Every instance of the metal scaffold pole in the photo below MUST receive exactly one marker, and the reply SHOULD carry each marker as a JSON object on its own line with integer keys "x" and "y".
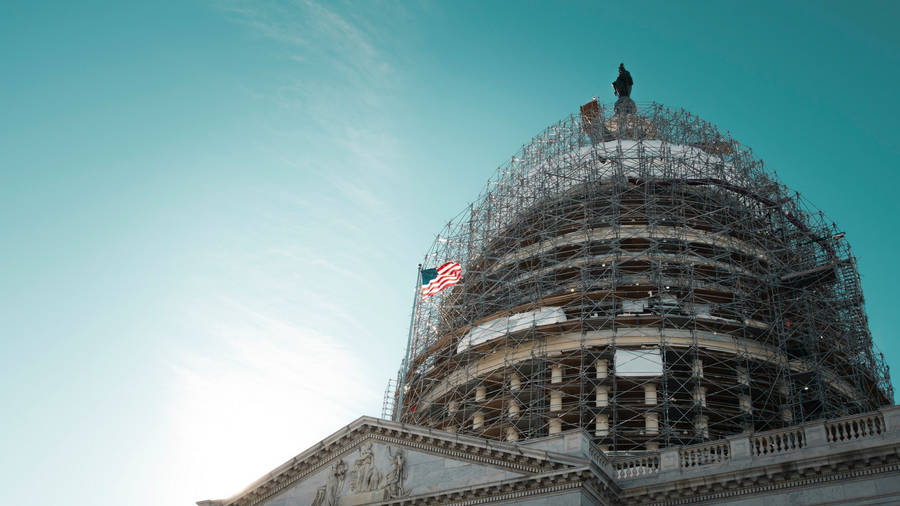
{"x": 401, "y": 384}
{"x": 639, "y": 275}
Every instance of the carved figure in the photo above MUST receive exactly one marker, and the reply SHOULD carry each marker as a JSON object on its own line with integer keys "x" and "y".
{"x": 365, "y": 477}
{"x": 622, "y": 85}
{"x": 319, "y": 499}
{"x": 328, "y": 494}
{"x": 393, "y": 480}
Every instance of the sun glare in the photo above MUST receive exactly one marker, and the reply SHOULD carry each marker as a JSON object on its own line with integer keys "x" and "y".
{"x": 274, "y": 391}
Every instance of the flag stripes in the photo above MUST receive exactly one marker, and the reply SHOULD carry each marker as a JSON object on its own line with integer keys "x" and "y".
{"x": 435, "y": 280}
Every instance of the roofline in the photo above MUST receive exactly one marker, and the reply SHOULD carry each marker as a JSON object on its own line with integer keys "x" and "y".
{"x": 520, "y": 457}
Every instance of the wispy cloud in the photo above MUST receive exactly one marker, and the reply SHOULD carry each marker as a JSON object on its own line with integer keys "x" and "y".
{"x": 338, "y": 97}
{"x": 270, "y": 391}
{"x": 311, "y": 30}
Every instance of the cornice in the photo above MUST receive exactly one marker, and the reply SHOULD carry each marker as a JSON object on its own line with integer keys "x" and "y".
{"x": 507, "y": 490}
{"x": 774, "y": 487}
{"x": 769, "y": 478}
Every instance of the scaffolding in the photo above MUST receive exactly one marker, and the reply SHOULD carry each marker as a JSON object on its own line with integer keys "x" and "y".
{"x": 642, "y": 276}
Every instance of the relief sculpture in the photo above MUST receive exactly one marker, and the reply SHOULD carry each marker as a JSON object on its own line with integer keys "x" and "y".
{"x": 365, "y": 477}
{"x": 393, "y": 480}
{"x": 328, "y": 494}
{"x": 366, "y": 482}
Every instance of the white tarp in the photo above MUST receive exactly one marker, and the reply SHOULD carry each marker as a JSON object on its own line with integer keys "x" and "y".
{"x": 504, "y": 325}
{"x": 700, "y": 309}
{"x": 638, "y": 362}
{"x": 641, "y": 158}
{"x": 634, "y": 306}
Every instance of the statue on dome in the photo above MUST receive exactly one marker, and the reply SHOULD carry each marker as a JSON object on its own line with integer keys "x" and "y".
{"x": 622, "y": 85}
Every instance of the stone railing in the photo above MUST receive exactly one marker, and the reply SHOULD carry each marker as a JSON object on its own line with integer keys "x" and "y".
{"x": 742, "y": 449}
{"x": 769, "y": 443}
{"x": 634, "y": 467}
{"x": 598, "y": 456}
{"x": 857, "y": 427}
{"x": 705, "y": 454}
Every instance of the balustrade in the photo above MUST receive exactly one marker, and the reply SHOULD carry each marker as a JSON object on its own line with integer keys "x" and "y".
{"x": 849, "y": 429}
{"x": 701, "y": 455}
{"x": 777, "y": 442}
{"x": 635, "y": 467}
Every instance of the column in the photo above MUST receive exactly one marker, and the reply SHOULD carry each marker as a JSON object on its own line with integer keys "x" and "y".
{"x": 743, "y": 377}
{"x": 556, "y": 373}
{"x": 698, "y": 368}
{"x": 602, "y": 396}
{"x": 602, "y": 426}
{"x": 650, "y": 393}
{"x": 514, "y": 382}
{"x": 651, "y": 423}
{"x": 702, "y": 425}
{"x": 700, "y": 396}
{"x": 555, "y": 400}
{"x": 602, "y": 369}
{"x": 787, "y": 415}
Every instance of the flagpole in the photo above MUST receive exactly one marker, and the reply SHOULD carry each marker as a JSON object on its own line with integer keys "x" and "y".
{"x": 401, "y": 385}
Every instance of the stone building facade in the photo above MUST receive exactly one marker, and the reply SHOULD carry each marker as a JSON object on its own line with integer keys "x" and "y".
{"x": 851, "y": 460}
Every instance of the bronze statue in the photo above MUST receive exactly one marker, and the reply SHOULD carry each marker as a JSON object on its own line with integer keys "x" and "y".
{"x": 622, "y": 84}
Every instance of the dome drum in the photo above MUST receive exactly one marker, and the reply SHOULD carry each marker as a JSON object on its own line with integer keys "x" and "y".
{"x": 652, "y": 284}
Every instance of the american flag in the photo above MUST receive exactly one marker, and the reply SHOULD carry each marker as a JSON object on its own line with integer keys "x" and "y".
{"x": 435, "y": 280}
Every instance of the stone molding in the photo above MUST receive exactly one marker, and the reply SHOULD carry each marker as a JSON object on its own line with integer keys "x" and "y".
{"x": 772, "y": 477}
{"x": 772, "y": 487}
{"x": 857, "y": 447}
{"x": 506, "y": 490}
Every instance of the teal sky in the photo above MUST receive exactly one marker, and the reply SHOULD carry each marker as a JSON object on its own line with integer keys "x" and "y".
{"x": 211, "y": 211}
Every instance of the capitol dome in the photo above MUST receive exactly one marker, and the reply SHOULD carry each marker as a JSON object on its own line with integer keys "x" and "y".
{"x": 642, "y": 277}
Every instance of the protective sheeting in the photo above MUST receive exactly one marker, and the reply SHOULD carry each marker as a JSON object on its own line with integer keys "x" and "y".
{"x": 639, "y": 159}
{"x": 638, "y": 362}
{"x": 504, "y": 325}
{"x": 634, "y": 306}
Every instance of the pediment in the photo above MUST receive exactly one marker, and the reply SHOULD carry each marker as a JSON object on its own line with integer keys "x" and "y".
{"x": 373, "y": 471}
{"x": 373, "y": 460}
